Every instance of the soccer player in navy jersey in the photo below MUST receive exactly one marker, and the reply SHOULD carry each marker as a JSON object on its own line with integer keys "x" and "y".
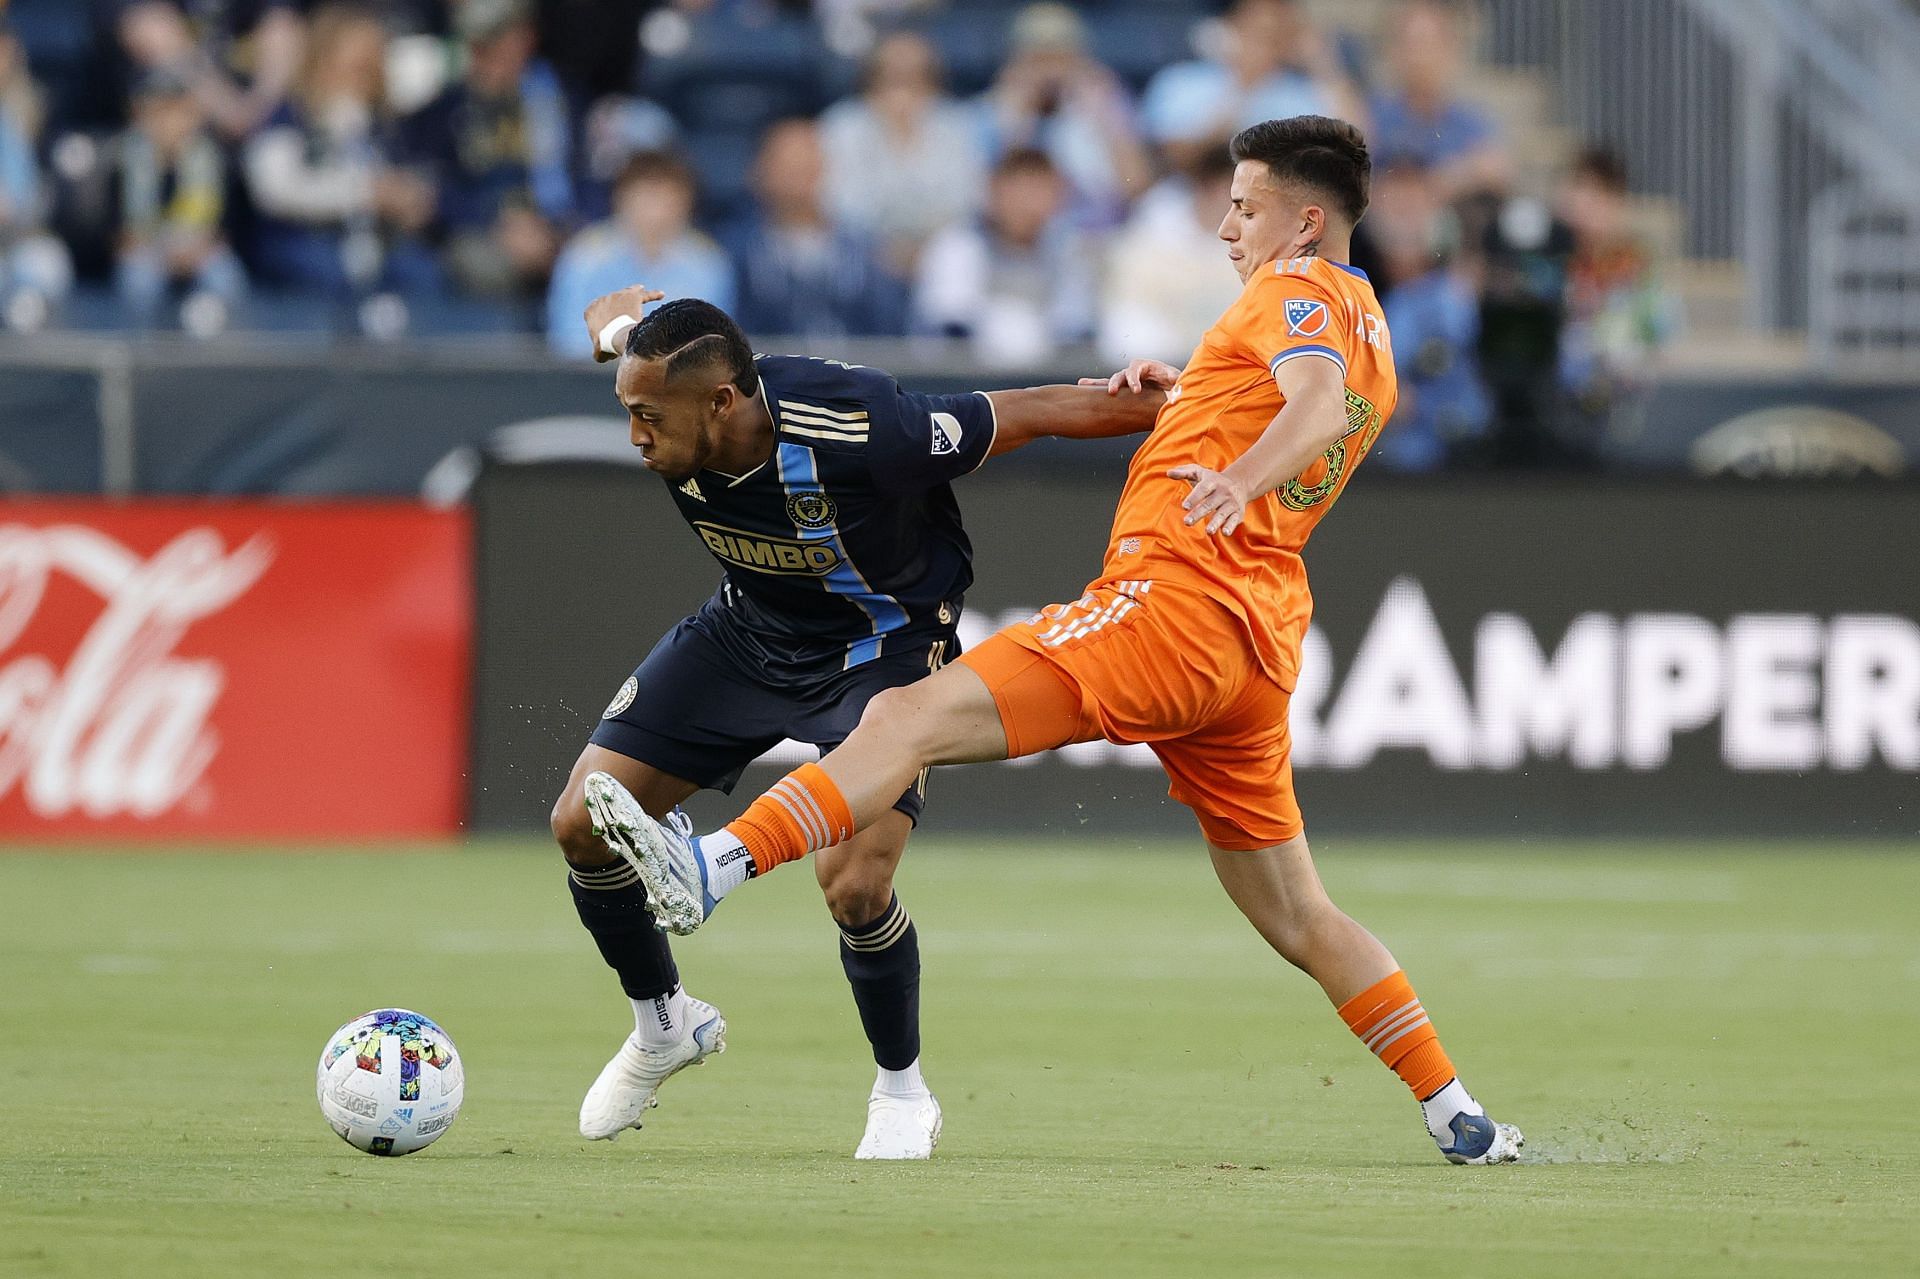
{"x": 823, "y": 490}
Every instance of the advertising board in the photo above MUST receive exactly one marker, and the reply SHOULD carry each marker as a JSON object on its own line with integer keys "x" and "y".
{"x": 232, "y": 670}
{"x": 1514, "y": 656}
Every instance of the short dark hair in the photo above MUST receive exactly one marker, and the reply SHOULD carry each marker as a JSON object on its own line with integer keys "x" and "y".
{"x": 1324, "y": 155}
{"x": 656, "y": 166}
{"x": 1022, "y": 161}
{"x": 1604, "y": 167}
{"x": 692, "y": 334}
{"x": 1210, "y": 165}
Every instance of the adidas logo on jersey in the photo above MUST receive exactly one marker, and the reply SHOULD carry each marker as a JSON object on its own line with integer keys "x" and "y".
{"x": 692, "y": 489}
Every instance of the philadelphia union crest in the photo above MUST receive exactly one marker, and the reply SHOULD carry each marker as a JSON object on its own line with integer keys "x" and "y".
{"x": 622, "y": 699}
{"x": 811, "y": 510}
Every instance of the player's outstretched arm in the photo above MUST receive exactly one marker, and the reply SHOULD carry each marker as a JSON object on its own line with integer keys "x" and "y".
{"x": 1311, "y": 421}
{"x": 610, "y": 317}
{"x": 1095, "y": 409}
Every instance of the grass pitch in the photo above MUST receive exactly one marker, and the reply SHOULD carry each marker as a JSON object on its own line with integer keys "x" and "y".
{"x": 1711, "y": 1052}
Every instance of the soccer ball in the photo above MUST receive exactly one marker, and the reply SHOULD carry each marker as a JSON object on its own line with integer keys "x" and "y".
{"x": 390, "y": 1082}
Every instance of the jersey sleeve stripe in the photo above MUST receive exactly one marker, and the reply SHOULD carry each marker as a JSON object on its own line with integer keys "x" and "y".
{"x": 846, "y": 437}
{"x": 1294, "y": 353}
{"x": 860, "y": 427}
{"x": 993, "y": 416}
{"x": 819, "y": 410}
{"x": 828, "y": 423}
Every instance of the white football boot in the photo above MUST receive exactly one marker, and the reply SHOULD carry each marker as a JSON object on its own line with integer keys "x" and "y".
{"x": 1479, "y": 1140}
{"x": 630, "y": 1084}
{"x": 900, "y": 1127}
{"x": 671, "y": 868}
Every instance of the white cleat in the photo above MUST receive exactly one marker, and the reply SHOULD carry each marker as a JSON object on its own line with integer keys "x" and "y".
{"x": 630, "y": 1084}
{"x": 1480, "y": 1140}
{"x": 671, "y": 869}
{"x": 900, "y": 1127}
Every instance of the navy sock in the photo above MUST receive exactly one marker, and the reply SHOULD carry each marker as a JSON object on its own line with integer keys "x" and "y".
{"x": 613, "y": 906}
{"x": 882, "y": 959}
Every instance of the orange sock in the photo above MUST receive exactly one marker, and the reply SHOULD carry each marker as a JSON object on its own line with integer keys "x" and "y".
{"x": 1391, "y": 1022}
{"x": 804, "y": 813}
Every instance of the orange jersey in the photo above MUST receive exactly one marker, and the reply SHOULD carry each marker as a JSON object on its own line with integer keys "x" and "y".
{"x": 1298, "y": 308}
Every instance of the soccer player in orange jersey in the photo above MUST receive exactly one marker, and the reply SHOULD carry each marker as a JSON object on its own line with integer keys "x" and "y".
{"x": 1189, "y": 640}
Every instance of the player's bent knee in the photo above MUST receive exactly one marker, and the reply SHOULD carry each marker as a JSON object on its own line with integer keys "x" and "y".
{"x": 856, "y": 900}
{"x": 927, "y": 723}
{"x": 573, "y": 831}
{"x": 899, "y": 715}
{"x": 858, "y": 888}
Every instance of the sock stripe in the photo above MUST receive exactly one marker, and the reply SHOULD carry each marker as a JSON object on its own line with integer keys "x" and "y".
{"x": 823, "y": 830}
{"x": 816, "y": 819}
{"x": 1392, "y": 1022}
{"x": 892, "y": 930}
{"x": 612, "y": 870}
{"x": 1374, "y": 1020}
{"x": 803, "y": 813}
{"x": 1380, "y": 1023}
{"x": 878, "y": 922}
{"x": 801, "y": 818}
{"x": 1386, "y": 1026}
{"x": 610, "y": 879}
{"x": 1402, "y": 1033}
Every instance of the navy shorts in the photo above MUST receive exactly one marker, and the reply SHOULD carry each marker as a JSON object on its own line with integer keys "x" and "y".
{"x": 699, "y": 710}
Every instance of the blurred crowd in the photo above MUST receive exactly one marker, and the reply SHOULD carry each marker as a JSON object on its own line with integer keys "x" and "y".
{"x": 1025, "y": 178}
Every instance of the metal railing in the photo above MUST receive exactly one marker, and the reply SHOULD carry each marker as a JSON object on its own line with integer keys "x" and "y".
{"x": 1865, "y": 307}
{"x": 1746, "y": 113}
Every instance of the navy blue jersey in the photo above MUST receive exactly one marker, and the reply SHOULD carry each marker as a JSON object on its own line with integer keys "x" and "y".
{"x": 846, "y": 544}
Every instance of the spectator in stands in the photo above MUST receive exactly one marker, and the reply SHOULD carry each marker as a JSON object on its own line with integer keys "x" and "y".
{"x": 331, "y": 214}
{"x": 649, "y": 240}
{"x": 497, "y": 146}
{"x": 1433, "y": 312}
{"x": 1618, "y": 313}
{"x": 36, "y": 271}
{"x": 1019, "y": 281}
{"x": 616, "y": 129}
{"x": 1167, "y": 274}
{"x": 1422, "y": 120}
{"x": 903, "y": 159}
{"x": 240, "y": 57}
{"x": 1523, "y": 254}
{"x": 173, "y": 196}
{"x": 799, "y": 274}
{"x": 1269, "y": 61}
{"x": 1052, "y": 95}
{"x": 593, "y": 45}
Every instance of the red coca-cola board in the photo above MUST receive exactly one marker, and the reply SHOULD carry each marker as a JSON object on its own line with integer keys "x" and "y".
{"x": 232, "y": 670}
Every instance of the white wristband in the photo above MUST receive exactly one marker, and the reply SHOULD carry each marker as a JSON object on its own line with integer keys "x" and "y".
{"x": 612, "y": 331}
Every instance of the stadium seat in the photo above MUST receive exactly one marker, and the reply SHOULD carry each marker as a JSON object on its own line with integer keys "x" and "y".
{"x": 58, "y": 36}
{"x": 723, "y": 159}
{"x": 1136, "y": 42}
{"x": 734, "y": 75}
{"x": 972, "y": 44}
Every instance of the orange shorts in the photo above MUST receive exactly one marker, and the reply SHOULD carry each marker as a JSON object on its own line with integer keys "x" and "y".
{"x": 1160, "y": 663}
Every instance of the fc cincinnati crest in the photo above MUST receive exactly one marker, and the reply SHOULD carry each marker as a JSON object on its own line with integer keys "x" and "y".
{"x": 623, "y": 698}
{"x": 811, "y": 510}
{"x": 1306, "y": 318}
